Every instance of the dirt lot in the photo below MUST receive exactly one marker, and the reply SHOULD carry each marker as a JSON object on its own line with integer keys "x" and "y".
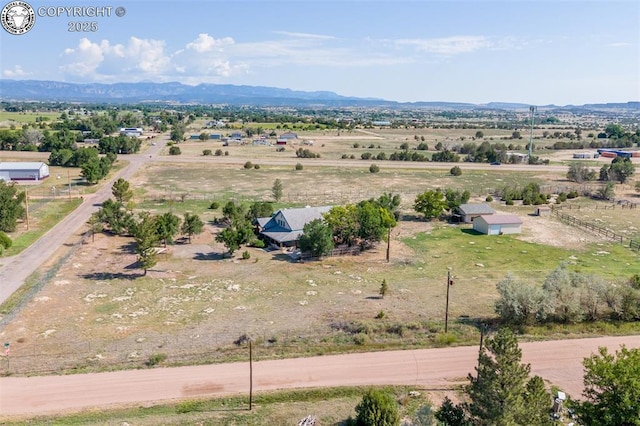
{"x": 99, "y": 310}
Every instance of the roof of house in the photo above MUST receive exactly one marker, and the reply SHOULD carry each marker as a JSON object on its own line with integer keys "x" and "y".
{"x": 501, "y": 219}
{"x": 294, "y": 219}
{"x": 19, "y": 165}
{"x": 476, "y": 209}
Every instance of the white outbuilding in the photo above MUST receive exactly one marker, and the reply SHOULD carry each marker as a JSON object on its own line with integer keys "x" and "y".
{"x": 14, "y": 170}
{"x": 498, "y": 224}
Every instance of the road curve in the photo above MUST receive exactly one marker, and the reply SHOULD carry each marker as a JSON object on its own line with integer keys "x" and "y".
{"x": 559, "y": 362}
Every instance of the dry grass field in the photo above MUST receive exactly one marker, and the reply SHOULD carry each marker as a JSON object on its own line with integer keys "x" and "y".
{"x": 98, "y": 312}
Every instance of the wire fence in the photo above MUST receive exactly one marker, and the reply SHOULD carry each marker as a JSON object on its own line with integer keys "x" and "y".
{"x": 600, "y": 230}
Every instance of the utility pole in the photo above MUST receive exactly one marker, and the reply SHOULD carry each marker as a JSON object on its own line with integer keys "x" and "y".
{"x": 446, "y": 312}
{"x": 26, "y": 201}
{"x": 532, "y": 110}
{"x": 250, "y": 377}
{"x": 69, "y": 180}
{"x": 388, "y": 243}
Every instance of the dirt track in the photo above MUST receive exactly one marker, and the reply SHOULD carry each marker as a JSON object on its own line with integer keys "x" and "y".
{"x": 558, "y": 362}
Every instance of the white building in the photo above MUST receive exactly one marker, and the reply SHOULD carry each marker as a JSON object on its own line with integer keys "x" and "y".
{"x": 498, "y": 224}
{"x": 23, "y": 171}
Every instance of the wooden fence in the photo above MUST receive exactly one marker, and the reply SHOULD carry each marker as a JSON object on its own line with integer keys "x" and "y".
{"x": 600, "y": 230}
{"x": 573, "y": 221}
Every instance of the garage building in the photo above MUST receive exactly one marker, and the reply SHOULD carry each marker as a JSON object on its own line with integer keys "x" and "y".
{"x": 498, "y": 224}
{"x": 23, "y": 171}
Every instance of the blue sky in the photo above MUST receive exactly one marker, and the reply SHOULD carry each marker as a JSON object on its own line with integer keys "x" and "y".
{"x": 539, "y": 52}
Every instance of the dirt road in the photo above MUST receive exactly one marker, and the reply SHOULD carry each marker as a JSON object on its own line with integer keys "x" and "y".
{"x": 558, "y": 362}
{"x": 15, "y": 270}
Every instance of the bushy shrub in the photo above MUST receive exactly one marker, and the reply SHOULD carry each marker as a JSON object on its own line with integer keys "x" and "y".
{"x": 214, "y": 205}
{"x": 365, "y": 155}
{"x": 156, "y": 359}
{"x": 206, "y": 152}
{"x": 374, "y": 168}
{"x": 218, "y": 152}
{"x": 175, "y": 150}
{"x": 489, "y": 199}
{"x": 299, "y": 166}
{"x": 5, "y": 241}
{"x": 455, "y": 171}
{"x": 256, "y": 166}
{"x": 248, "y": 165}
{"x": 246, "y": 255}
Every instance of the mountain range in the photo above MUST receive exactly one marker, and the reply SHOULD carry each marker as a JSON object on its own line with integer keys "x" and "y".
{"x": 174, "y": 92}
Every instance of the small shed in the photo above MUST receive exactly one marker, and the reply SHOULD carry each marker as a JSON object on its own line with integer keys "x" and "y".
{"x": 23, "y": 171}
{"x": 468, "y": 212}
{"x": 543, "y": 211}
{"x": 498, "y": 224}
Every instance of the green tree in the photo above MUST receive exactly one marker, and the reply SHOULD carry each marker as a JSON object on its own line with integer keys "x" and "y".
{"x": 92, "y": 171}
{"x": 614, "y": 130}
{"x": 450, "y": 414}
{"x": 498, "y": 392}
{"x": 377, "y": 408}
{"x": 276, "y": 190}
{"x": 230, "y": 238}
{"x": 621, "y": 169}
{"x": 146, "y": 237}
{"x": 175, "y": 150}
{"x": 455, "y": 171}
{"x": 177, "y": 132}
{"x": 116, "y": 217}
{"x": 316, "y": 238}
{"x": 607, "y": 191}
{"x": 167, "y": 226}
{"x": 612, "y": 389}
{"x": 519, "y": 302}
{"x": 95, "y": 225}
{"x": 204, "y": 136}
{"x": 343, "y": 222}
{"x": 192, "y": 225}
{"x": 384, "y": 288}
{"x": 479, "y": 134}
{"x": 580, "y": 172}
{"x": 121, "y": 191}
{"x": 430, "y": 203}
{"x": 11, "y": 206}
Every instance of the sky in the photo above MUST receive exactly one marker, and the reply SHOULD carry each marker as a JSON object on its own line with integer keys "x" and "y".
{"x": 562, "y": 52}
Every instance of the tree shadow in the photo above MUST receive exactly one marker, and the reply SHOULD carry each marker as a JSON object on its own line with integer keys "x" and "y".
{"x": 284, "y": 257}
{"x": 209, "y": 256}
{"x": 374, "y": 297}
{"x": 128, "y": 248}
{"x": 106, "y": 276}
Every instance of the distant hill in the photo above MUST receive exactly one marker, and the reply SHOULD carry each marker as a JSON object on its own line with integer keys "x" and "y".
{"x": 37, "y": 90}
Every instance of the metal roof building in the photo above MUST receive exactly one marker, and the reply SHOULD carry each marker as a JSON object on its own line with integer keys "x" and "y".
{"x": 23, "y": 171}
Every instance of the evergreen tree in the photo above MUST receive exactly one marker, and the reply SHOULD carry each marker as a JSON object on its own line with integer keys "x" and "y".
{"x": 276, "y": 190}
{"x": 498, "y": 393}
{"x": 377, "y": 408}
{"x": 384, "y": 288}
{"x": 146, "y": 237}
{"x": 11, "y": 208}
{"x": 167, "y": 226}
{"x": 612, "y": 389}
{"x": 192, "y": 225}
{"x": 121, "y": 191}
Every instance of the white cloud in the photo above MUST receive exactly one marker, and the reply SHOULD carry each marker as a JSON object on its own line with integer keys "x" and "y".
{"x": 448, "y": 45}
{"x": 620, "y": 44}
{"x": 17, "y": 71}
{"x": 206, "y": 43}
{"x": 305, "y": 35}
